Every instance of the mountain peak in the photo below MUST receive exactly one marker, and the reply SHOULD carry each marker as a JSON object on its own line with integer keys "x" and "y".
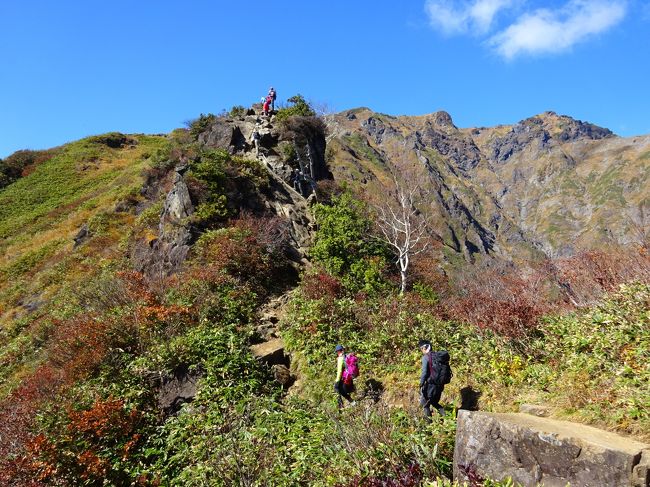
{"x": 566, "y": 128}
{"x": 443, "y": 119}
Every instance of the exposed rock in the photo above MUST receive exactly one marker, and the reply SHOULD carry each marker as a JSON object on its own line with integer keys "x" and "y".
{"x": 177, "y": 389}
{"x": 378, "y": 129}
{"x": 271, "y": 352}
{"x": 288, "y": 204}
{"x": 553, "y": 453}
{"x": 224, "y": 134}
{"x": 521, "y": 135}
{"x": 307, "y": 134}
{"x": 178, "y": 204}
{"x": 82, "y": 235}
{"x": 165, "y": 254}
{"x": 460, "y": 149}
{"x": 269, "y": 317}
{"x": 443, "y": 119}
{"x": 576, "y": 129}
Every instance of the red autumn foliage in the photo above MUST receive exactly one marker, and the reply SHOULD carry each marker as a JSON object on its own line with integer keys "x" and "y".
{"x": 77, "y": 452}
{"x": 252, "y": 250}
{"x": 321, "y": 285}
{"x": 73, "y": 351}
{"x": 585, "y": 276}
{"x": 510, "y": 300}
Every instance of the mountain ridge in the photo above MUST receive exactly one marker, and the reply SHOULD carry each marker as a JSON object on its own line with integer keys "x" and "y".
{"x": 586, "y": 175}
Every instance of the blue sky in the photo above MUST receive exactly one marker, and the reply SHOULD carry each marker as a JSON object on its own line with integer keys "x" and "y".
{"x": 69, "y": 69}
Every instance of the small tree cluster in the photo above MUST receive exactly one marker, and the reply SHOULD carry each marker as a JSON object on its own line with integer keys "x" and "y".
{"x": 298, "y": 107}
{"x": 343, "y": 245}
{"x": 201, "y": 124}
{"x": 22, "y": 163}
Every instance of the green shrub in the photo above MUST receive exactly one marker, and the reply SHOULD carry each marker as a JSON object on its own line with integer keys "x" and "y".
{"x": 237, "y": 111}
{"x": 299, "y": 108}
{"x": 342, "y": 245}
{"x": 201, "y": 124}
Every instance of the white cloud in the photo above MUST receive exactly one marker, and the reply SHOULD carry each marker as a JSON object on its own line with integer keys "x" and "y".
{"x": 453, "y": 17}
{"x": 547, "y": 31}
{"x": 483, "y": 12}
{"x": 539, "y": 31}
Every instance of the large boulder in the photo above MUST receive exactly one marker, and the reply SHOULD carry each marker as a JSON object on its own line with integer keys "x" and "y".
{"x": 534, "y": 450}
{"x": 224, "y": 134}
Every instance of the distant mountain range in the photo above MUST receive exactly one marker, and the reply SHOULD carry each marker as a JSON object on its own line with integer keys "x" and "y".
{"x": 549, "y": 184}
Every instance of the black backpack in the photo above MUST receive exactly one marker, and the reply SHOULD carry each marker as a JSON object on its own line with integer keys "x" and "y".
{"x": 439, "y": 370}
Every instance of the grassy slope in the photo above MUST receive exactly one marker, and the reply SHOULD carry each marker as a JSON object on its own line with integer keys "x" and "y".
{"x": 39, "y": 216}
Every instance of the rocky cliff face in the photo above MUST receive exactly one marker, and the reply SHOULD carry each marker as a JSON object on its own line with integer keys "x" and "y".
{"x": 304, "y": 151}
{"x": 548, "y": 184}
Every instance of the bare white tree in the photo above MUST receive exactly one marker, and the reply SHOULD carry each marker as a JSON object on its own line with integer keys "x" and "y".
{"x": 401, "y": 223}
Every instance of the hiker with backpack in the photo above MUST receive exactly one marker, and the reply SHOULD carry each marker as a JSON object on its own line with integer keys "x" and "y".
{"x": 273, "y": 96}
{"x": 347, "y": 369}
{"x": 436, "y": 372}
{"x": 267, "y": 104}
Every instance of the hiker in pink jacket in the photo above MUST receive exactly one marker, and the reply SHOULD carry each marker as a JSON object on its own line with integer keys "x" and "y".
{"x": 267, "y": 104}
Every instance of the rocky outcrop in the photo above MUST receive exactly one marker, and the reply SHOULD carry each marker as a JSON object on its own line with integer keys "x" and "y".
{"x": 378, "y": 129}
{"x": 523, "y": 134}
{"x": 304, "y": 135}
{"x": 541, "y": 451}
{"x": 441, "y": 135}
{"x": 271, "y": 350}
{"x": 273, "y": 355}
{"x": 572, "y": 129}
{"x": 82, "y": 235}
{"x": 225, "y": 134}
{"x": 176, "y": 389}
{"x": 165, "y": 254}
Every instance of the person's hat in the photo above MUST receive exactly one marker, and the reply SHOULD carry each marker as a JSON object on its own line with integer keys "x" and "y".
{"x": 424, "y": 343}
{"x": 338, "y": 348}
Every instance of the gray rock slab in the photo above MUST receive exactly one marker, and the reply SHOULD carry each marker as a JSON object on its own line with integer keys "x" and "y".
{"x": 542, "y": 451}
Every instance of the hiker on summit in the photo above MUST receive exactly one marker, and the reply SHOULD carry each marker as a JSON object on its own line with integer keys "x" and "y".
{"x": 273, "y": 96}
{"x": 346, "y": 370}
{"x": 433, "y": 377}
